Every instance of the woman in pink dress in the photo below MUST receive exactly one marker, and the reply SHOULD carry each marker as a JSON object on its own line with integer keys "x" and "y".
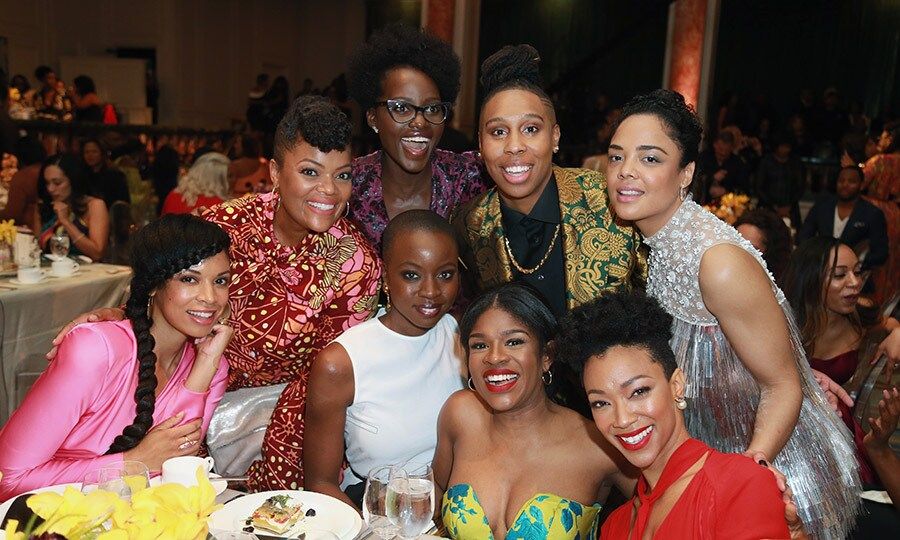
{"x": 140, "y": 389}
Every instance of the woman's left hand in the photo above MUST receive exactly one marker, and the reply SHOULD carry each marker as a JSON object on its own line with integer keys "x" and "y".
{"x": 63, "y": 212}
{"x": 791, "y": 515}
{"x": 211, "y": 347}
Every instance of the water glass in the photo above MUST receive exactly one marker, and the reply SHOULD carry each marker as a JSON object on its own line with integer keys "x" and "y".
{"x": 59, "y": 243}
{"x": 374, "y": 498}
{"x": 123, "y": 479}
{"x": 410, "y": 499}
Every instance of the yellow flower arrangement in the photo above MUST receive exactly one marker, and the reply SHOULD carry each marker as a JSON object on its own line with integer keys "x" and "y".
{"x": 7, "y": 232}
{"x": 159, "y": 512}
{"x": 729, "y": 207}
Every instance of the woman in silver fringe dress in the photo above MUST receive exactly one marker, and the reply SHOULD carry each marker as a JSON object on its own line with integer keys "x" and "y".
{"x": 749, "y": 386}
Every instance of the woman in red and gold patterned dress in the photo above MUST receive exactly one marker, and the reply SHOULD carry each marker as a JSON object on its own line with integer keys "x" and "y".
{"x": 302, "y": 274}
{"x": 882, "y": 188}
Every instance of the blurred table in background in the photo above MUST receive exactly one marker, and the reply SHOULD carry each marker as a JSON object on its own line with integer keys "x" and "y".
{"x": 31, "y": 315}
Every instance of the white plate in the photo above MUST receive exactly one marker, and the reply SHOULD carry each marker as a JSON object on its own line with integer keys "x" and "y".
{"x": 218, "y": 485}
{"x": 331, "y": 514}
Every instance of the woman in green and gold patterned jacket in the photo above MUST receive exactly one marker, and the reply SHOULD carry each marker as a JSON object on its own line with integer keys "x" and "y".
{"x": 547, "y": 226}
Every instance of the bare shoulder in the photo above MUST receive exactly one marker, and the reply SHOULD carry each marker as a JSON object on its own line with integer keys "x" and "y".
{"x": 333, "y": 365}
{"x": 729, "y": 269}
{"x": 587, "y": 441}
{"x": 461, "y": 412}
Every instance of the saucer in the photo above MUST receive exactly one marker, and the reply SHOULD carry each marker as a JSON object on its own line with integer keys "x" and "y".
{"x": 15, "y": 281}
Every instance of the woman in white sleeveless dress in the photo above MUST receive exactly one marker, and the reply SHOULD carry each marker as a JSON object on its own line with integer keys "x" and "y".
{"x": 749, "y": 386}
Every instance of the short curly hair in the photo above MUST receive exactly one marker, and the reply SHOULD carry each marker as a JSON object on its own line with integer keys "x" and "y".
{"x": 680, "y": 119}
{"x": 315, "y": 120}
{"x": 400, "y": 45}
{"x": 627, "y": 319}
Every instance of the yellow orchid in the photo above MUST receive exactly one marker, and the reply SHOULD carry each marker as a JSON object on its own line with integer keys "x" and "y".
{"x": 159, "y": 512}
{"x": 12, "y": 531}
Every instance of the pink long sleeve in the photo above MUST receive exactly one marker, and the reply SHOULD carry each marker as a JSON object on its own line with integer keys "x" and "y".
{"x": 31, "y": 440}
{"x": 193, "y": 404}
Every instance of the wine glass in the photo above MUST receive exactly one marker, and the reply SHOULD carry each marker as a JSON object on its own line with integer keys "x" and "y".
{"x": 59, "y": 244}
{"x": 410, "y": 498}
{"x": 374, "y": 498}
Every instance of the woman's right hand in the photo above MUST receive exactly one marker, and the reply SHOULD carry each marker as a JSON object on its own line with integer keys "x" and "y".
{"x": 166, "y": 440}
{"x": 98, "y": 315}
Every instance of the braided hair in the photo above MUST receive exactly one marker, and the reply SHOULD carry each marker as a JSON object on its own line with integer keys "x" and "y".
{"x": 160, "y": 250}
{"x": 514, "y": 67}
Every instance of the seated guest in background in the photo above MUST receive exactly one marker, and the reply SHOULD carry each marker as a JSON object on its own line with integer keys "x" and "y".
{"x": 67, "y": 207}
{"x": 407, "y": 81}
{"x": 88, "y": 107}
{"x": 822, "y": 283}
{"x": 780, "y": 183}
{"x": 104, "y": 181}
{"x": 204, "y": 185}
{"x": 769, "y": 234}
{"x": 378, "y": 388}
{"x": 247, "y": 172}
{"x": 22, "y": 204}
{"x": 721, "y": 171}
{"x": 620, "y": 344}
{"x": 510, "y": 462}
{"x": 302, "y": 275}
{"x": 141, "y": 389}
{"x": 164, "y": 173}
{"x": 852, "y": 219}
{"x": 547, "y": 226}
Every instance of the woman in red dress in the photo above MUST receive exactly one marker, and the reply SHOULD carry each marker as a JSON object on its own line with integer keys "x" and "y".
{"x": 620, "y": 343}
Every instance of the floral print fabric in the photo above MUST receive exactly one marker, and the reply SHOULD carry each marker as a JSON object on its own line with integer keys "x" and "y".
{"x": 543, "y": 517}
{"x": 287, "y": 303}
{"x": 456, "y": 179}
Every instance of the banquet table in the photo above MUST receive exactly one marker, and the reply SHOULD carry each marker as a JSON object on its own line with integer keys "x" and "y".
{"x": 31, "y": 315}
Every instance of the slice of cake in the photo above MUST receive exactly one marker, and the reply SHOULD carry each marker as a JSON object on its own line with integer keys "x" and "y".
{"x": 278, "y": 514}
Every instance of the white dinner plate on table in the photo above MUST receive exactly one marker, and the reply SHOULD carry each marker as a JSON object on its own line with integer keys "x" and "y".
{"x": 331, "y": 514}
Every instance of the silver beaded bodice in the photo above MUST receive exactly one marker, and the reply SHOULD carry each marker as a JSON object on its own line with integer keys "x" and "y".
{"x": 676, "y": 251}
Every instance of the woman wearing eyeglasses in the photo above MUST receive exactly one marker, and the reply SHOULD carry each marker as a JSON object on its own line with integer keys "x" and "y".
{"x": 407, "y": 81}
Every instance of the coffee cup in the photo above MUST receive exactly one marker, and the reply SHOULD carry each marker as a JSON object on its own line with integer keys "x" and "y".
{"x": 30, "y": 274}
{"x": 183, "y": 470}
{"x": 64, "y": 267}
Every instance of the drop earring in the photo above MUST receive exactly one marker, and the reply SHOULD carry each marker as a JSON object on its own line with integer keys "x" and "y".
{"x": 375, "y": 129}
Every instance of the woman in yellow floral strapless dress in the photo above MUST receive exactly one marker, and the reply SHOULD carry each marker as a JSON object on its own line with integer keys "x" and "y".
{"x": 512, "y": 463}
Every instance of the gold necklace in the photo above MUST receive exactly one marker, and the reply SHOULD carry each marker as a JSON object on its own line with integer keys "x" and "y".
{"x": 529, "y": 271}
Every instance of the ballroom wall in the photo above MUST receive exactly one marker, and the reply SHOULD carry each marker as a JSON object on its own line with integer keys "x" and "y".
{"x": 208, "y": 51}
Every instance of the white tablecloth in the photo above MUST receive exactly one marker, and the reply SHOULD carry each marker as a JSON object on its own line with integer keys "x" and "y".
{"x": 31, "y": 315}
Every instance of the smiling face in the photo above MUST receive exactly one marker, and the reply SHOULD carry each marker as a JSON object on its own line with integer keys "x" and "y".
{"x": 58, "y": 184}
{"x": 644, "y": 176}
{"x": 505, "y": 361}
{"x": 517, "y": 136}
{"x": 408, "y": 145}
{"x": 314, "y": 187}
{"x": 842, "y": 284}
{"x": 192, "y": 301}
{"x": 633, "y": 405}
{"x": 422, "y": 278}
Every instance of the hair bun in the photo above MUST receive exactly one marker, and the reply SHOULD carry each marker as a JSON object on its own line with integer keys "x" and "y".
{"x": 512, "y": 62}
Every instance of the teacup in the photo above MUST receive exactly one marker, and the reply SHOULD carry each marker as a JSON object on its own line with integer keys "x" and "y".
{"x": 64, "y": 267}
{"x": 183, "y": 470}
{"x": 30, "y": 274}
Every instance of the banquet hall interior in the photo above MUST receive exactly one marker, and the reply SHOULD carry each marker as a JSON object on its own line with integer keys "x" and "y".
{"x": 275, "y": 242}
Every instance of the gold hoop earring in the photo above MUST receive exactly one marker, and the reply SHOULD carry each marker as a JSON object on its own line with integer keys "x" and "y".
{"x": 149, "y": 306}
{"x": 387, "y": 301}
{"x": 547, "y": 377}
{"x": 346, "y": 210}
{"x": 471, "y": 385}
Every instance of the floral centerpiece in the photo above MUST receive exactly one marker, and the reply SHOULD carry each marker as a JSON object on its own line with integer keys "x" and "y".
{"x": 10, "y": 166}
{"x": 159, "y": 512}
{"x": 729, "y": 207}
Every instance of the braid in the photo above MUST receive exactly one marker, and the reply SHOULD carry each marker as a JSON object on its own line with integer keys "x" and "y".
{"x": 145, "y": 393}
{"x": 159, "y": 251}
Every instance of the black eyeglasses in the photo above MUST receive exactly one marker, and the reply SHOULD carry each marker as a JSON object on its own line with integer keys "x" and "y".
{"x": 403, "y": 112}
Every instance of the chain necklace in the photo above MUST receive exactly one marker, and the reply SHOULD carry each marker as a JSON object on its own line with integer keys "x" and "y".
{"x": 529, "y": 271}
